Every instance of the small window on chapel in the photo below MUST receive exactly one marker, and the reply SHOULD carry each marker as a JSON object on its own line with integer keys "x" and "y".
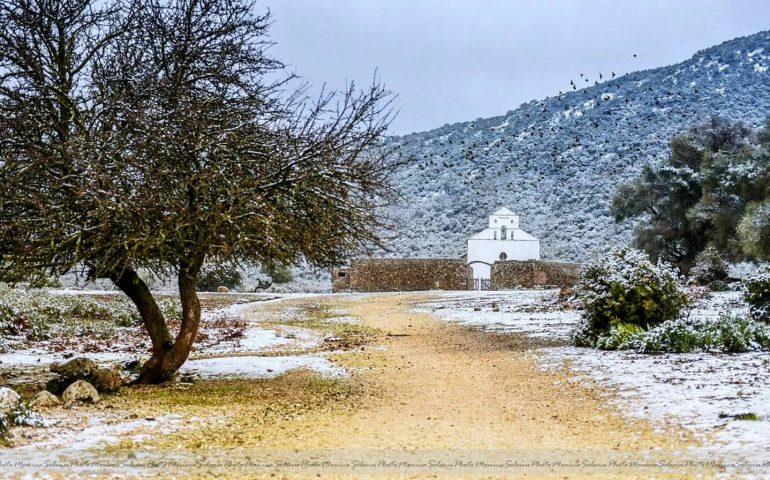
{"x": 494, "y": 235}
{"x": 503, "y": 256}
{"x": 341, "y": 274}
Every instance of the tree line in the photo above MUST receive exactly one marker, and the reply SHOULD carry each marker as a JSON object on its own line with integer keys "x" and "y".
{"x": 712, "y": 191}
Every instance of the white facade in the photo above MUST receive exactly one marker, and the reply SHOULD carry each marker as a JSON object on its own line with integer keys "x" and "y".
{"x": 502, "y": 240}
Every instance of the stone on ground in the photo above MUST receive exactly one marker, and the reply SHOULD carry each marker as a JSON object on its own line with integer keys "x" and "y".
{"x": 82, "y": 368}
{"x": 80, "y": 391}
{"x": 9, "y": 400}
{"x": 45, "y": 399}
{"x": 106, "y": 380}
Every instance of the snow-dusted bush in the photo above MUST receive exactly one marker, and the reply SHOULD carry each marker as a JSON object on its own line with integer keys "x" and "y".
{"x": 758, "y": 294}
{"x": 726, "y": 334}
{"x": 24, "y": 416}
{"x": 710, "y": 266}
{"x": 624, "y": 287}
{"x": 215, "y": 276}
{"x": 21, "y": 416}
{"x": 38, "y": 315}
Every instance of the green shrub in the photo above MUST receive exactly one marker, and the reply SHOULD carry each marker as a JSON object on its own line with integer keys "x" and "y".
{"x": 215, "y": 276}
{"x": 719, "y": 286}
{"x": 40, "y": 315}
{"x": 727, "y": 334}
{"x": 278, "y": 273}
{"x": 758, "y": 294}
{"x": 710, "y": 266}
{"x": 626, "y": 288}
{"x": 620, "y": 335}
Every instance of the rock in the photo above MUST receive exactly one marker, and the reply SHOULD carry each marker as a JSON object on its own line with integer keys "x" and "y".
{"x": 45, "y": 399}
{"x": 187, "y": 378}
{"x": 496, "y": 309}
{"x": 476, "y": 309}
{"x": 80, "y": 368}
{"x": 223, "y": 289}
{"x": 9, "y": 400}
{"x": 80, "y": 391}
{"x": 566, "y": 292}
{"x": 106, "y": 380}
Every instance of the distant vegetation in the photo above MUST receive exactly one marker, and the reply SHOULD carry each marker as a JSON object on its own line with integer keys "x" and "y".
{"x": 708, "y": 199}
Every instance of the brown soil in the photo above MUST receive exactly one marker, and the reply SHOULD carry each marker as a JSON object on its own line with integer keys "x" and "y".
{"x": 451, "y": 402}
{"x": 444, "y": 398}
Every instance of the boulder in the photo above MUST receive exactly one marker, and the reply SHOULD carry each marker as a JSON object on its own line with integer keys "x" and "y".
{"x": 9, "y": 400}
{"x": 80, "y": 391}
{"x": 76, "y": 368}
{"x": 566, "y": 292}
{"x": 106, "y": 380}
{"x": 82, "y": 368}
{"x": 223, "y": 289}
{"x": 45, "y": 399}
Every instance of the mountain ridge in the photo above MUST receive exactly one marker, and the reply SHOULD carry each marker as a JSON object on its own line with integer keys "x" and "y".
{"x": 556, "y": 161}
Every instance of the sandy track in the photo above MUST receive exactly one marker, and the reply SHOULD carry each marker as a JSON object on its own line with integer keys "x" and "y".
{"x": 427, "y": 399}
{"x": 443, "y": 398}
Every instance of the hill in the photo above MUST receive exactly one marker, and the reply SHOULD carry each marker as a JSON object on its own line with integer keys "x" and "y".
{"x": 557, "y": 161}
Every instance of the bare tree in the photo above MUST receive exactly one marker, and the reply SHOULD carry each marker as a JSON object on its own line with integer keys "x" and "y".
{"x": 186, "y": 147}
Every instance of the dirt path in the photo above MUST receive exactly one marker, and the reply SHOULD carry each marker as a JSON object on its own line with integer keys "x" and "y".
{"x": 426, "y": 399}
{"x": 458, "y": 403}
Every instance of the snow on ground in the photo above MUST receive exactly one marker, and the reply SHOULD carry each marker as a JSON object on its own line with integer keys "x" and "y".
{"x": 700, "y": 391}
{"x": 534, "y": 312}
{"x": 259, "y": 367}
{"x": 252, "y": 355}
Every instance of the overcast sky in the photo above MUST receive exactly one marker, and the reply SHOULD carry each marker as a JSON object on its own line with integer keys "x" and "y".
{"x": 453, "y": 60}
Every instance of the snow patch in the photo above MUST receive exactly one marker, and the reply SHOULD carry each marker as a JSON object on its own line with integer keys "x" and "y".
{"x": 259, "y": 367}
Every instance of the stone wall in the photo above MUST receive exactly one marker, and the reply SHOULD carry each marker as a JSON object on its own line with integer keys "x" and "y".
{"x": 408, "y": 274}
{"x": 340, "y": 279}
{"x": 532, "y": 273}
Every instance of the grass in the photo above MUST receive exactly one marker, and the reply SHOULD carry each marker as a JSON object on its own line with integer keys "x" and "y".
{"x": 243, "y": 412}
{"x": 239, "y": 411}
{"x": 319, "y": 317}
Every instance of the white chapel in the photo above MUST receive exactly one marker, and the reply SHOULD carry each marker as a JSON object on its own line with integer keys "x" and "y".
{"x": 502, "y": 240}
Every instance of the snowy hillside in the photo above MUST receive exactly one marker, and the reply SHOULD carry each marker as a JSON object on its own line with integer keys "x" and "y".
{"x": 556, "y": 162}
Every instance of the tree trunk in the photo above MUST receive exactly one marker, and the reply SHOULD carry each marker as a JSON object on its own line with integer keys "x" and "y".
{"x": 167, "y": 354}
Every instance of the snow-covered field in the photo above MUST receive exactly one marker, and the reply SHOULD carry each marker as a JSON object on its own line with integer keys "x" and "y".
{"x": 255, "y": 355}
{"x": 700, "y": 391}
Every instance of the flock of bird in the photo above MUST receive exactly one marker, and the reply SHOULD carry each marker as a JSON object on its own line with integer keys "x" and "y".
{"x": 581, "y": 140}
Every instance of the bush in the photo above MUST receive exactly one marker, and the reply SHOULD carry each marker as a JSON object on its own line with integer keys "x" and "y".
{"x": 727, "y": 334}
{"x": 40, "y": 315}
{"x": 619, "y": 336}
{"x": 758, "y": 294}
{"x": 215, "y": 276}
{"x": 709, "y": 267}
{"x": 278, "y": 273}
{"x": 626, "y": 288}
